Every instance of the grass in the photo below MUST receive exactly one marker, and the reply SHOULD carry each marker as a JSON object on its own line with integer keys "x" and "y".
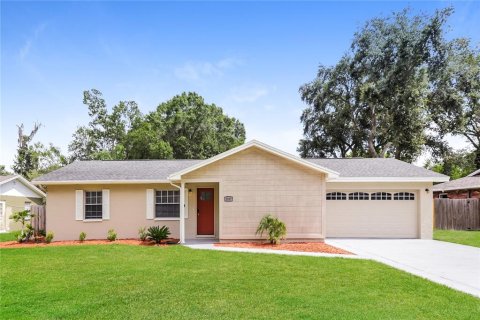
{"x": 131, "y": 282}
{"x": 469, "y": 238}
{"x": 7, "y": 236}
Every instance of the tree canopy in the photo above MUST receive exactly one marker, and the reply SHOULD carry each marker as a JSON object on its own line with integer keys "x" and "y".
{"x": 391, "y": 94}
{"x": 184, "y": 127}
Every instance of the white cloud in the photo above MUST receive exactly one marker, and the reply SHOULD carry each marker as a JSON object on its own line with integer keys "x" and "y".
{"x": 27, "y": 46}
{"x": 197, "y": 71}
{"x": 248, "y": 93}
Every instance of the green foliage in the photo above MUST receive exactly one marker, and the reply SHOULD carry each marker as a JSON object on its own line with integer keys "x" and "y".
{"x": 455, "y": 164}
{"x": 3, "y": 171}
{"x": 26, "y": 233}
{"x": 111, "y": 235}
{"x": 158, "y": 234}
{"x": 275, "y": 229}
{"x": 142, "y": 233}
{"x": 380, "y": 98}
{"x": 34, "y": 160}
{"x": 184, "y": 127}
{"x": 22, "y": 217}
{"x": 49, "y": 237}
{"x": 82, "y": 236}
{"x": 468, "y": 238}
{"x": 26, "y": 159}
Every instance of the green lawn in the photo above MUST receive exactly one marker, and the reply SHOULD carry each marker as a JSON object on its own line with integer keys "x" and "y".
{"x": 8, "y": 236}
{"x": 131, "y": 282}
{"x": 469, "y": 238}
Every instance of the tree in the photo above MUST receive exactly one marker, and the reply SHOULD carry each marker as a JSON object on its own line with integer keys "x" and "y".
{"x": 103, "y": 136}
{"x": 33, "y": 160}
{"x": 3, "y": 171}
{"x": 455, "y": 164}
{"x": 26, "y": 159}
{"x": 374, "y": 101}
{"x": 184, "y": 127}
{"x": 194, "y": 129}
{"x": 455, "y": 101}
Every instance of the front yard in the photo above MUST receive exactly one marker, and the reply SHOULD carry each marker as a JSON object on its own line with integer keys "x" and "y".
{"x": 7, "y": 236}
{"x": 469, "y": 238}
{"x": 133, "y": 282}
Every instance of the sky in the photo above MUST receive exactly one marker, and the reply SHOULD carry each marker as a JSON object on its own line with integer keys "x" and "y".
{"x": 249, "y": 58}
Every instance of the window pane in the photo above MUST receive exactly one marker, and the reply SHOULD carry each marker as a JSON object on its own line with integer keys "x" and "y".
{"x": 167, "y": 211}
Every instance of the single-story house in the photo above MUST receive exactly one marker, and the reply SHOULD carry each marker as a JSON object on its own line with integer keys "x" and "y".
{"x": 16, "y": 194}
{"x": 224, "y": 197}
{"x": 463, "y": 188}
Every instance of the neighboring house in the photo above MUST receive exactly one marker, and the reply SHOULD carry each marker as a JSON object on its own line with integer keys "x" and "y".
{"x": 225, "y": 197}
{"x": 16, "y": 194}
{"x": 463, "y": 188}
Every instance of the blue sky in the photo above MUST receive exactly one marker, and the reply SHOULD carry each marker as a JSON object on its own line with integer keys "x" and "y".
{"x": 249, "y": 58}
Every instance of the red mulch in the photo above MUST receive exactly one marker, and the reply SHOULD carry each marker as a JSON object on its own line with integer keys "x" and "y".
{"x": 133, "y": 242}
{"x": 291, "y": 246}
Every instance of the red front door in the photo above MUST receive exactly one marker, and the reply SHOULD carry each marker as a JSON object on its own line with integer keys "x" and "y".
{"x": 205, "y": 211}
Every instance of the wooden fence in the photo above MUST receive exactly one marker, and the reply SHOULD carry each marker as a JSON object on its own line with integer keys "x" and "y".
{"x": 457, "y": 214}
{"x": 38, "y": 220}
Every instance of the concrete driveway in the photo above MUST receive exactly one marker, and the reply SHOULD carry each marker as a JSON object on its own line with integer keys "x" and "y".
{"x": 453, "y": 265}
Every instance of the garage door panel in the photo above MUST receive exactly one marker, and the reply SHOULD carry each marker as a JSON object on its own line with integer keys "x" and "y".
{"x": 372, "y": 218}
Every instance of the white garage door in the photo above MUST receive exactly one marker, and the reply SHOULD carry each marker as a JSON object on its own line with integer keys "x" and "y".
{"x": 372, "y": 214}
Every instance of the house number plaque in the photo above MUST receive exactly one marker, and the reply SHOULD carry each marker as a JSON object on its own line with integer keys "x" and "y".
{"x": 228, "y": 199}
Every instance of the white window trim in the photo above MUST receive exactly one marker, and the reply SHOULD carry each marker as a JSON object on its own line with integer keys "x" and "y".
{"x": 85, "y": 206}
{"x": 155, "y": 206}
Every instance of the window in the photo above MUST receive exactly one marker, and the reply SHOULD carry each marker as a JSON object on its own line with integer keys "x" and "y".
{"x": 358, "y": 196}
{"x": 404, "y": 196}
{"x": 443, "y": 196}
{"x": 93, "y": 205}
{"x": 336, "y": 196}
{"x": 28, "y": 205}
{"x": 381, "y": 196}
{"x": 167, "y": 204}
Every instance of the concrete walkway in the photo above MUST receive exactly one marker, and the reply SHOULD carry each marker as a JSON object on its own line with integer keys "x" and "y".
{"x": 211, "y": 246}
{"x": 453, "y": 265}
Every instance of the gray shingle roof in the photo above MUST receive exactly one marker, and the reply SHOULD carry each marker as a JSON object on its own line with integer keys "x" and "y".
{"x": 161, "y": 169}
{"x": 375, "y": 167}
{"x": 465, "y": 183}
{"x": 117, "y": 170}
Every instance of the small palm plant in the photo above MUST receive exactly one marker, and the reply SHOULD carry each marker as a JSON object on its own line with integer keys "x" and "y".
{"x": 158, "y": 234}
{"x": 27, "y": 231}
{"x": 275, "y": 229}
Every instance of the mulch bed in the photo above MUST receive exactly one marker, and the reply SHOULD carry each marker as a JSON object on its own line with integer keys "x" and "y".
{"x": 290, "y": 246}
{"x": 133, "y": 242}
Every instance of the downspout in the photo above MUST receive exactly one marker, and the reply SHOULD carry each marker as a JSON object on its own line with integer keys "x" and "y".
{"x": 182, "y": 209}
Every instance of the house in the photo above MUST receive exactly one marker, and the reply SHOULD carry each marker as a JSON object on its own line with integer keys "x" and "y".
{"x": 16, "y": 194}
{"x": 224, "y": 197}
{"x": 463, "y": 188}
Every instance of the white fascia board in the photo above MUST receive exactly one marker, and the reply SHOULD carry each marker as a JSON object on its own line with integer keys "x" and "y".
{"x": 49, "y": 183}
{"x": 390, "y": 179}
{"x": 254, "y": 143}
{"x": 26, "y": 183}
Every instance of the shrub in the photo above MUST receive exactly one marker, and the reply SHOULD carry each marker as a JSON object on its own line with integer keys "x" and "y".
{"x": 142, "y": 233}
{"x": 49, "y": 237}
{"x": 158, "y": 234}
{"x": 275, "y": 229}
{"x": 112, "y": 235}
{"x": 82, "y": 236}
{"x": 26, "y": 233}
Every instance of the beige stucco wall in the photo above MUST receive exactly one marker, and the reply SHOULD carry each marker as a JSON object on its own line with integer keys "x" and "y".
{"x": 127, "y": 212}
{"x": 14, "y": 204}
{"x": 261, "y": 183}
{"x": 424, "y": 204}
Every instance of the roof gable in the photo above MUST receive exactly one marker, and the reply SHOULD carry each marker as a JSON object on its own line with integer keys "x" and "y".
{"x": 255, "y": 144}
{"x": 6, "y": 180}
